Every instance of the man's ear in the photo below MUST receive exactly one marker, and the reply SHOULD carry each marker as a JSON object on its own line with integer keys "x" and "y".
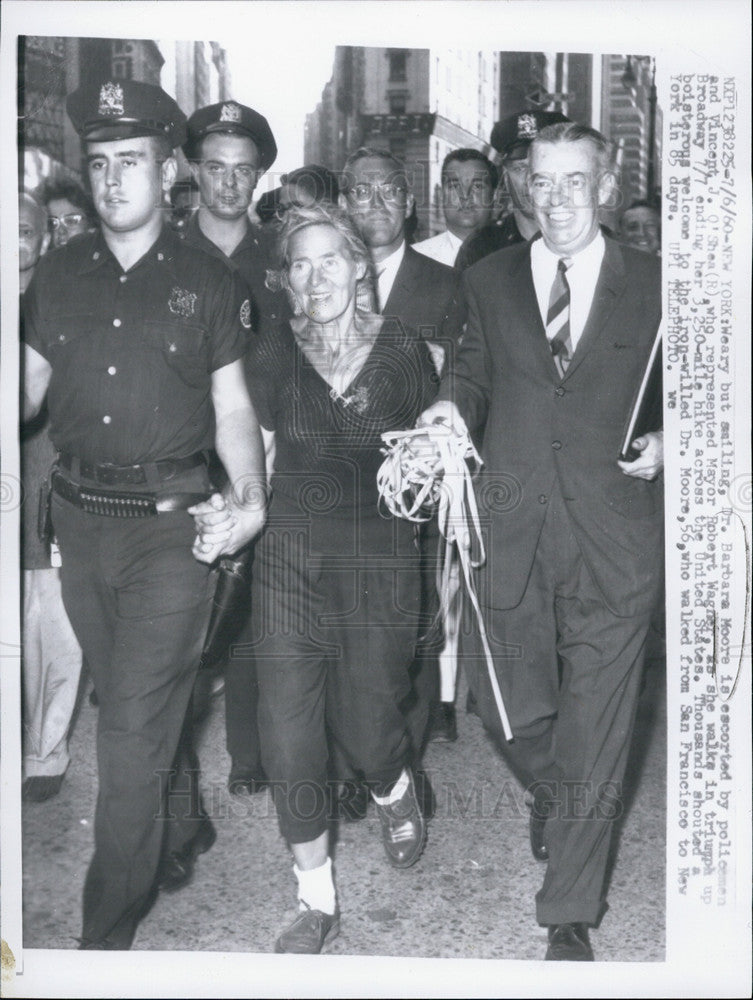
{"x": 609, "y": 190}
{"x": 409, "y": 203}
{"x": 45, "y": 243}
{"x": 342, "y": 202}
{"x": 169, "y": 172}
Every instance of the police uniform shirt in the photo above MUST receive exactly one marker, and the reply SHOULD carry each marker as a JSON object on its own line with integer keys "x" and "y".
{"x": 488, "y": 240}
{"x": 252, "y": 257}
{"x": 132, "y": 352}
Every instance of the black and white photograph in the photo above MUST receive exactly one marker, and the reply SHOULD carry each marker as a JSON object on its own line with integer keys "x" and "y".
{"x": 375, "y": 500}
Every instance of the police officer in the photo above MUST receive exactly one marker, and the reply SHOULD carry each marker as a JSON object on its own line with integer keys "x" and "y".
{"x": 511, "y": 137}
{"x": 229, "y": 147}
{"x": 137, "y": 339}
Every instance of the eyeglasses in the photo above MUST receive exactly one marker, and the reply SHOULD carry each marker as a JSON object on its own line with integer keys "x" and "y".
{"x": 575, "y": 187}
{"x": 389, "y": 191}
{"x": 66, "y": 221}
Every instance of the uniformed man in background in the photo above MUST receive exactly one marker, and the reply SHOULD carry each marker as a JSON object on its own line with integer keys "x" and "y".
{"x": 512, "y": 138}
{"x": 229, "y": 147}
{"x": 137, "y": 339}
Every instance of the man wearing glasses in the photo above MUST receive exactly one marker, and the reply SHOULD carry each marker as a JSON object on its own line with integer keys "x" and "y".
{"x": 559, "y": 333}
{"x": 421, "y": 293}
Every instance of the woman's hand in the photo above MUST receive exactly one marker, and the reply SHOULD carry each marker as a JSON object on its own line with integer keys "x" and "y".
{"x": 223, "y": 526}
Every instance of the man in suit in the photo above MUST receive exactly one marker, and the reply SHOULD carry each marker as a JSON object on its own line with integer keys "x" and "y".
{"x": 559, "y": 332}
{"x": 421, "y": 293}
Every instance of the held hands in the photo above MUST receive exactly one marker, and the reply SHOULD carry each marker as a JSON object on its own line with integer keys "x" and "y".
{"x": 650, "y": 462}
{"x": 223, "y": 525}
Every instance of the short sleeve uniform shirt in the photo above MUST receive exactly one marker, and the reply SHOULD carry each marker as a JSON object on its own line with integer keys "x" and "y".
{"x": 133, "y": 352}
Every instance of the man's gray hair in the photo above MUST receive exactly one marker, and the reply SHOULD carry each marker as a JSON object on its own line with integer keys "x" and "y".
{"x": 574, "y": 132}
{"x": 370, "y": 153}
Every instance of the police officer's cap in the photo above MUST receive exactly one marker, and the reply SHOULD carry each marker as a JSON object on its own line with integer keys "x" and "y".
{"x": 237, "y": 119}
{"x": 125, "y": 109}
{"x": 512, "y": 136}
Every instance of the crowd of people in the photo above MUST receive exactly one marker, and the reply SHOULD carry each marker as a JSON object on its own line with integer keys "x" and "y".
{"x": 206, "y": 385}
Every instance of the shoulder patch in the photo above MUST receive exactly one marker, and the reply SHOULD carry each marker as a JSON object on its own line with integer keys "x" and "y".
{"x": 246, "y": 314}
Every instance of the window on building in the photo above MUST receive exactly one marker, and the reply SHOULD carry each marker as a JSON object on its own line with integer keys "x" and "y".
{"x": 398, "y": 103}
{"x": 122, "y": 69}
{"x": 398, "y": 65}
{"x": 121, "y": 48}
{"x": 398, "y": 147}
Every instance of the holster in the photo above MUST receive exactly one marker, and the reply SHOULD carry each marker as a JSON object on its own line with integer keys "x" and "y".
{"x": 45, "y": 530}
{"x": 230, "y": 607}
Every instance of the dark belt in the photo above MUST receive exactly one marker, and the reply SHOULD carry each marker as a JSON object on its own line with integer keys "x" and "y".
{"x": 122, "y": 504}
{"x": 121, "y": 475}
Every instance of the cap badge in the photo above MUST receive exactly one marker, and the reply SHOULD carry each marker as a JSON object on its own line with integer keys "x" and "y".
{"x": 111, "y": 100}
{"x": 182, "y": 302}
{"x": 527, "y": 127}
{"x": 230, "y": 113}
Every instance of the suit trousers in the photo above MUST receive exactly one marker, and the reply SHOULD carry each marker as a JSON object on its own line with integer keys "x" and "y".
{"x": 569, "y": 670}
{"x": 51, "y": 670}
{"x": 333, "y": 641}
{"x": 139, "y": 603}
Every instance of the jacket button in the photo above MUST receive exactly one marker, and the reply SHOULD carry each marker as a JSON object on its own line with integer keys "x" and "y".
{"x": 556, "y": 445}
{"x": 559, "y": 391}
{"x": 543, "y": 498}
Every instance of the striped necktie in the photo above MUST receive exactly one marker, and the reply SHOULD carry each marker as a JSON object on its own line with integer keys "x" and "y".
{"x": 558, "y": 318}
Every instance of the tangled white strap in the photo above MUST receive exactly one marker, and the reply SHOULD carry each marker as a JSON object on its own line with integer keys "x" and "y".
{"x": 429, "y": 470}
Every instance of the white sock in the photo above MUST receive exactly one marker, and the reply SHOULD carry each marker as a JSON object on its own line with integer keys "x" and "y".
{"x": 399, "y": 789}
{"x": 316, "y": 888}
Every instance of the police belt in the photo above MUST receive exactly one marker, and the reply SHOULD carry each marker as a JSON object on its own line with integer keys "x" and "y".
{"x": 109, "y": 504}
{"x": 133, "y": 475}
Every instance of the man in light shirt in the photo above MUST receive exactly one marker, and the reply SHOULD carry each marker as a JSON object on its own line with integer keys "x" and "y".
{"x": 469, "y": 180}
{"x": 559, "y": 334}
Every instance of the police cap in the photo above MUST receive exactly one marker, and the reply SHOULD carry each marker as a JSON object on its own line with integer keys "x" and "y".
{"x": 512, "y": 136}
{"x": 125, "y": 109}
{"x": 235, "y": 118}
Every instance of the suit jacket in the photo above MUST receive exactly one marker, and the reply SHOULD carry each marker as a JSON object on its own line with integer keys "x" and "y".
{"x": 542, "y": 432}
{"x": 424, "y": 296}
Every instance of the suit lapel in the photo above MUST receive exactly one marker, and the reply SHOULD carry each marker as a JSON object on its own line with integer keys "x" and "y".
{"x": 401, "y": 286}
{"x": 530, "y": 317}
{"x": 609, "y": 288}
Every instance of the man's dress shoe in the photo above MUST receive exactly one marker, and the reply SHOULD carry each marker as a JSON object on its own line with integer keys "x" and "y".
{"x": 569, "y": 943}
{"x": 403, "y": 828}
{"x": 308, "y": 933}
{"x": 39, "y": 788}
{"x": 176, "y": 867}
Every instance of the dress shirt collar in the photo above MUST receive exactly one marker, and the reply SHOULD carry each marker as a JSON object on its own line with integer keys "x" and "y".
{"x": 387, "y": 271}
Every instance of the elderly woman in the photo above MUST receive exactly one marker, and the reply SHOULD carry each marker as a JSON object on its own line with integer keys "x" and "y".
{"x": 335, "y": 600}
